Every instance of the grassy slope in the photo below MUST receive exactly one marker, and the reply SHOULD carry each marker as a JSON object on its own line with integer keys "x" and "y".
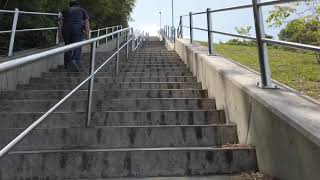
{"x": 295, "y": 69}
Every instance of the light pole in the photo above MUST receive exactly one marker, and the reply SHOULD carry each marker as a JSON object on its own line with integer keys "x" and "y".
{"x": 160, "y": 20}
{"x": 172, "y": 13}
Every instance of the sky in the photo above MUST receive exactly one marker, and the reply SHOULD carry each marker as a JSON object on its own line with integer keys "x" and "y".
{"x": 146, "y": 16}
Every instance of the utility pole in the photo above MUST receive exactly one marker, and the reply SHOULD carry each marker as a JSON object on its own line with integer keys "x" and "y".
{"x": 160, "y": 20}
{"x": 172, "y": 13}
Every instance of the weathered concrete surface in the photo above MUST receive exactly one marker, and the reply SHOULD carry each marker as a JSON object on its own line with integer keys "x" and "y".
{"x": 22, "y": 75}
{"x": 162, "y": 162}
{"x": 284, "y": 126}
{"x": 123, "y": 137}
{"x": 119, "y": 118}
{"x": 179, "y": 178}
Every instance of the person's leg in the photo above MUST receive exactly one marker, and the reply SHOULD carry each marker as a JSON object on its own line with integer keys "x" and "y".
{"x": 67, "y": 55}
{"x": 76, "y": 56}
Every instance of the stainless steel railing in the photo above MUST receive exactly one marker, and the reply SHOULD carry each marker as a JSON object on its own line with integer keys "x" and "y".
{"x": 106, "y": 30}
{"x": 15, "y": 21}
{"x": 260, "y": 38}
{"x": 136, "y": 41}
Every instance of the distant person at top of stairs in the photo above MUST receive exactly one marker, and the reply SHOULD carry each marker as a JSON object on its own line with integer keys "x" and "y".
{"x": 74, "y": 25}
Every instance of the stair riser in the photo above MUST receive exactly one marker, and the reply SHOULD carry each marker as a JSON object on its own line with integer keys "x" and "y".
{"x": 112, "y": 105}
{"x": 149, "y": 66}
{"x": 53, "y": 166}
{"x": 154, "y": 70}
{"x": 102, "y": 86}
{"x": 64, "y": 120}
{"x": 117, "y": 94}
{"x": 115, "y": 137}
{"x": 114, "y": 80}
{"x": 83, "y": 75}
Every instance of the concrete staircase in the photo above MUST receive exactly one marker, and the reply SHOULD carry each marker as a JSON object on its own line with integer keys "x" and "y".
{"x": 153, "y": 120}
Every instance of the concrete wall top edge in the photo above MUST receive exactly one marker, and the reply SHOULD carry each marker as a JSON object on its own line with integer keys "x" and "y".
{"x": 297, "y": 111}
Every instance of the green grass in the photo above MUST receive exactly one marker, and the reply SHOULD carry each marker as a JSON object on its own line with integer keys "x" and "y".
{"x": 299, "y": 70}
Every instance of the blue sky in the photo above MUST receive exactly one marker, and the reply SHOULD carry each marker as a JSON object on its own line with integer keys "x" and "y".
{"x": 146, "y": 15}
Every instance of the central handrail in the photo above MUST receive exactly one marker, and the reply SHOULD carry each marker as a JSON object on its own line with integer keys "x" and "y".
{"x": 29, "y": 59}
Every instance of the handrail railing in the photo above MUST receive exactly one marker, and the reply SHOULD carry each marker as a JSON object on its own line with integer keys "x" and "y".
{"x": 15, "y": 21}
{"x": 35, "y": 57}
{"x": 105, "y": 31}
{"x": 260, "y": 38}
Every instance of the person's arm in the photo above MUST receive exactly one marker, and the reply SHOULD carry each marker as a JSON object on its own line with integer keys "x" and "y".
{"x": 86, "y": 23}
{"x": 60, "y": 26}
{"x": 87, "y": 27}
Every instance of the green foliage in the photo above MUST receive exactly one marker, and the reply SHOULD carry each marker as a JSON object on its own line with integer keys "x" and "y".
{"x": 102, "y": 13}
{"x": 280, "y": 14}
{"x": 293, "y": 68}
{"x": 306, "y": 31}
{"x": 244, "y": 30}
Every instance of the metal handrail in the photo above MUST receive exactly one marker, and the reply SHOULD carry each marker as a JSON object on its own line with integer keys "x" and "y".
{"x": 260, "y": 37}
{"x": 29, "y": 59}
{"x": 13, "y": 31}
{"x": 113, "y": 29}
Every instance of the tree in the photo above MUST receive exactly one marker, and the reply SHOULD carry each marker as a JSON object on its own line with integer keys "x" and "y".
{"x": 305, "y": 28}
{"x": 102, "y": 13}
{"x": 309, "y": 9}
{"x": 244, "y": 30}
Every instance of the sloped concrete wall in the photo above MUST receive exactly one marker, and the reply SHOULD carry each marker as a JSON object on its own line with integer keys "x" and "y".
{"x": 23, "y": 74}
{"x": 283, "y": 126}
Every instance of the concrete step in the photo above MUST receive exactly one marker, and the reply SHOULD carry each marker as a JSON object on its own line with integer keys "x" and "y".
{"x": 122, "y": 137}
{"x": 74, "y": 80}
{"x": 175, "y": 69}
{"x": 104, "y": 74}
{"x": 155, "y": 61}
{"x": 114, "y": 86}
{"x": 232, "y": 177}
{"x": 114, "y": 118}
{"x": 133, "y": 69}
{"x": 107, "y": 94}
{"x": 106, "y": 163}
{"x": 110, "y": 105}
{"x": 149, "y": 65}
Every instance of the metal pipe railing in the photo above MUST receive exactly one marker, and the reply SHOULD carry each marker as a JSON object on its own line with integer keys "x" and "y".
{"x": 15, "y": 21}
{"x": 35, "y": 57}
{"x": 260, "y": 37}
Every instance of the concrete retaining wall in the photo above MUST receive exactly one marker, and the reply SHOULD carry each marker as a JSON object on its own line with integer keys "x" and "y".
{"x": 282, "y": 125}
{"x": 22, "y": 75}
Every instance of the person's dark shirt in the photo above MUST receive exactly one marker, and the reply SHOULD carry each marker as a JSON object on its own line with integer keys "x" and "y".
{"x": 73, "y": 20}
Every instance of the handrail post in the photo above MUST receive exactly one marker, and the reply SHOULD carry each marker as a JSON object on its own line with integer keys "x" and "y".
{"x": 181, "y": 27}
{"x": 191, "y": 27}
{"x": 91, "y": 83}
{"x": 57, "y": 35}
{"x": 132, "y": 41}
{"x": 106, "y": 34}
{"x": 165, "y": 31}
{"x": 209, "y": 25}
{"x": 127, "y": 46}
{"x": 174, "y": 38}
{"x": 118, "y": 55}
{"x": 13, "y": 31}
{"x": 113, "y": 31}
{"x": 98, "y": 42}
{"x": 262, "y": 46}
